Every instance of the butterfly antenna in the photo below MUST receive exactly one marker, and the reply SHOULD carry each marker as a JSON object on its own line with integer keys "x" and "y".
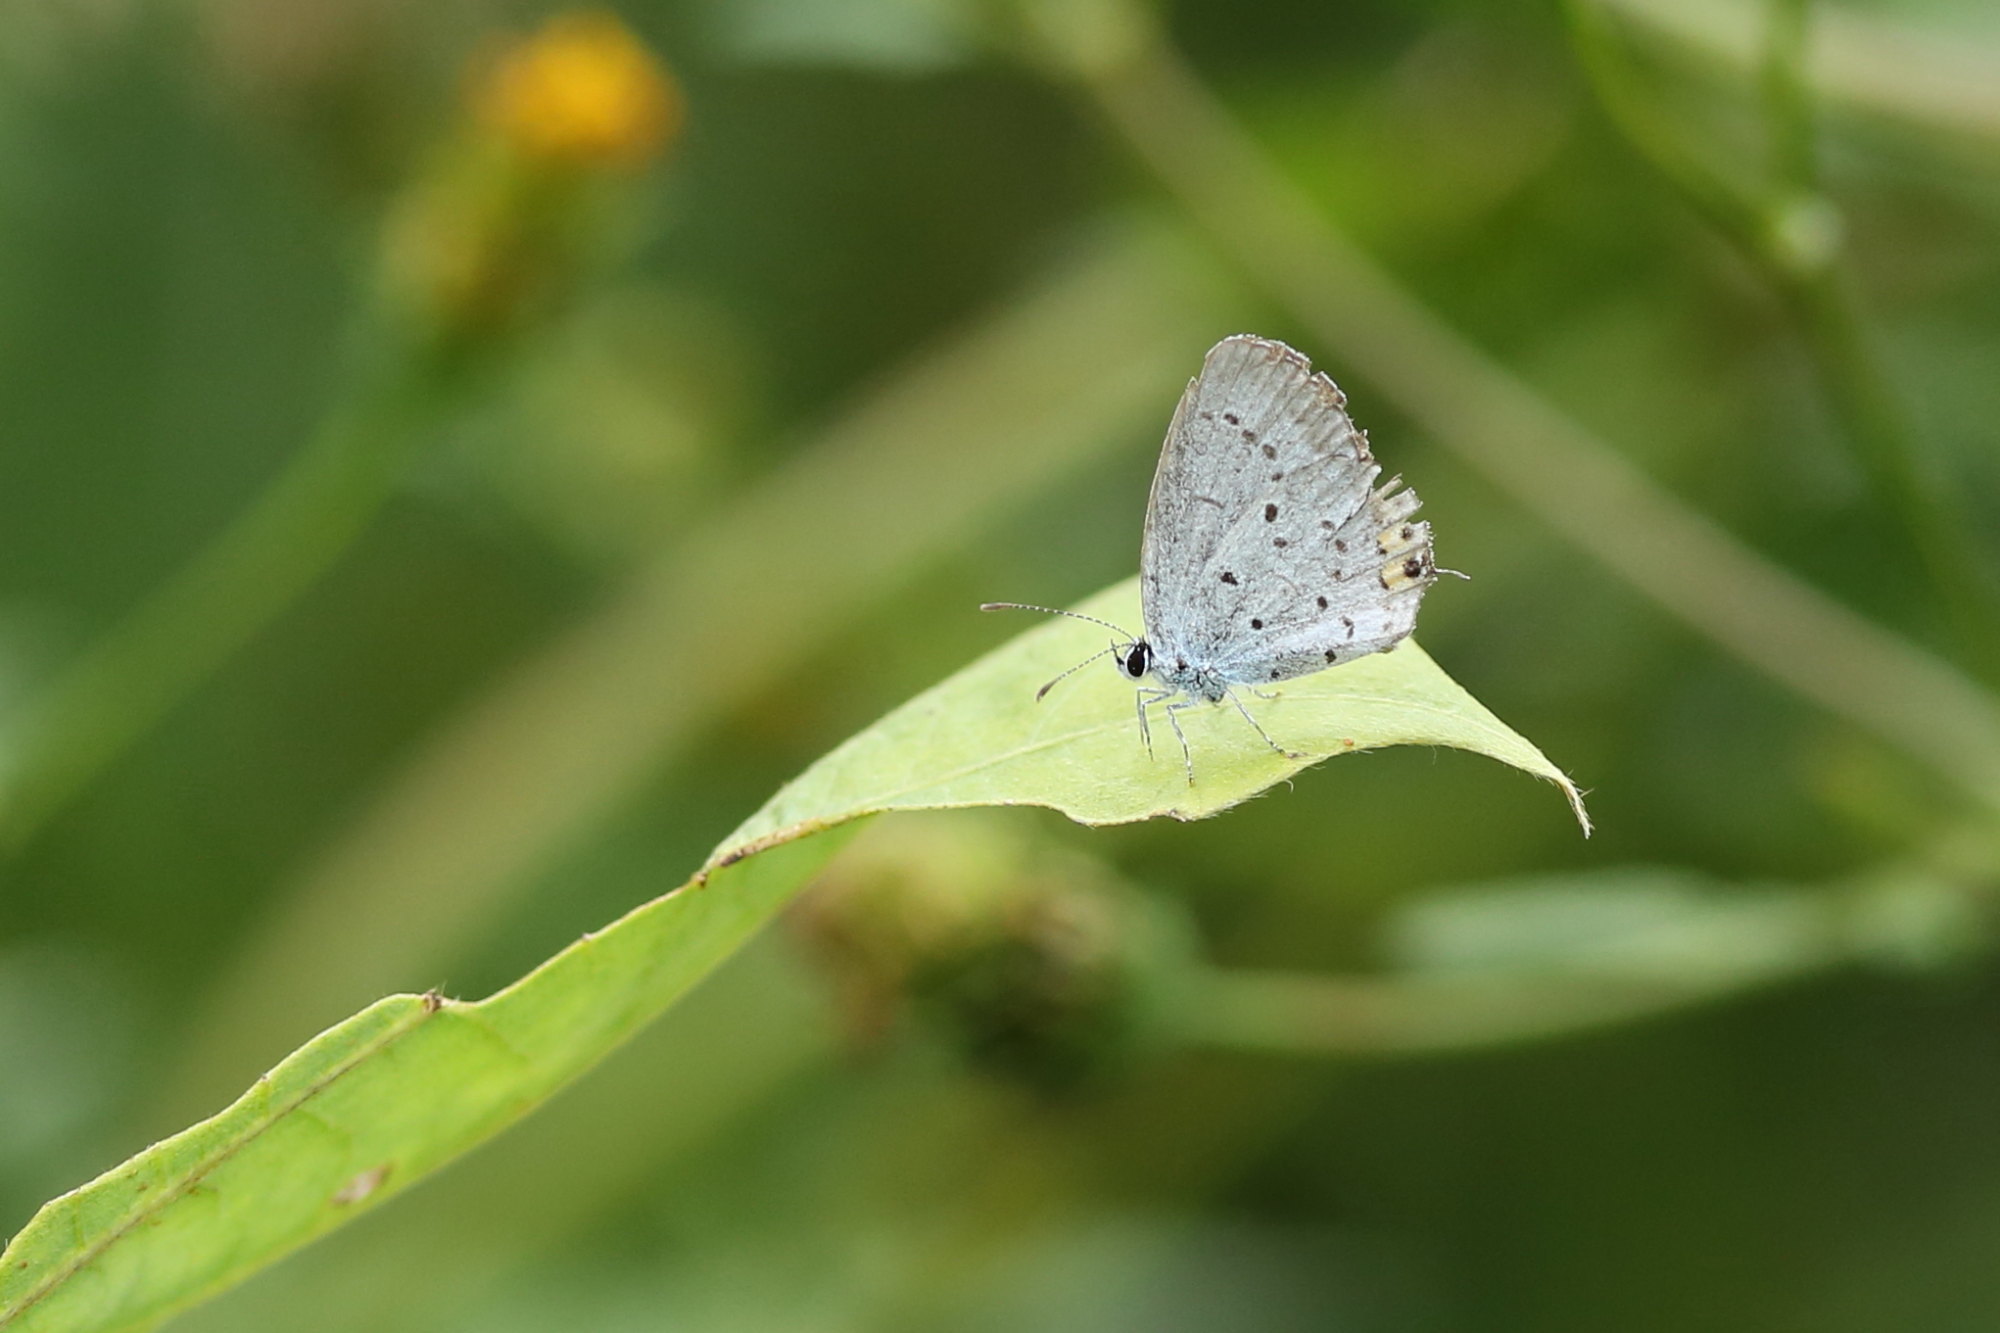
{"x": 1073, "y": 670}
{"x": 1054, "y": 611}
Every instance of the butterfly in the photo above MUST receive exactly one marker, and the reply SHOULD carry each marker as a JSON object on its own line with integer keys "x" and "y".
{"x": 1269, "y": 551}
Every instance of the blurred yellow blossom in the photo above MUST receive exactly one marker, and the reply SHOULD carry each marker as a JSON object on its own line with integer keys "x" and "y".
{"x": 509, "y": 214}
{"x": 581, "y": 91}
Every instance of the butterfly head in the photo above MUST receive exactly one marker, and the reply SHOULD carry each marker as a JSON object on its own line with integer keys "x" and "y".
{"x": 1134, "y": 659}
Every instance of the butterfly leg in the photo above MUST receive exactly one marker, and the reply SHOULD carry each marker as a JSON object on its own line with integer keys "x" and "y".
{"x": 1147, "y": 698}
{"x": 1259, "y": 727}
{"x": 1187, "y": 755}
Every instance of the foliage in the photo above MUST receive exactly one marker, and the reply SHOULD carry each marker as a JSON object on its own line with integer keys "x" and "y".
{"x": 461, "y": 460}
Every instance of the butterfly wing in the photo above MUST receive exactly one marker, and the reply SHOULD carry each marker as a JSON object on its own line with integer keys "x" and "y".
{"x": 1269, "y": 551}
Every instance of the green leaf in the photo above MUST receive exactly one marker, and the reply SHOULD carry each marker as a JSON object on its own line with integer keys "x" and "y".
{"x": 381, "y": 1100}
{"x": 981, "y": 739}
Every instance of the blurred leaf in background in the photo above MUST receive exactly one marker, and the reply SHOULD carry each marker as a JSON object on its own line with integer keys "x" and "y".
{"x": 894, "y": 330}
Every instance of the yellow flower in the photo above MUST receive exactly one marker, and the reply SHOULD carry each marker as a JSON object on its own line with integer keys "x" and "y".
{"x": 580, "y": 92}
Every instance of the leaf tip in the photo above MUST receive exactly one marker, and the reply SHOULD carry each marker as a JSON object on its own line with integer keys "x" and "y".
{"x": 1574, "y": 795}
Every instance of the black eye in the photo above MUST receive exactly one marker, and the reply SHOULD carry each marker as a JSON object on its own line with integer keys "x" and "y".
{"x": 1138, "y": 658}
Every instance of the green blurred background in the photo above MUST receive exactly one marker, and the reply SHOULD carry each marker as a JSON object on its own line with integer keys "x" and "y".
{"x": 1734, "y": 1063}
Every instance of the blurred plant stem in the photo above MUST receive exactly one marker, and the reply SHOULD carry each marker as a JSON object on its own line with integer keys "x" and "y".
{"x": 1879, "y": 63}
{"x": 1791, "y": 233}
{"x": 290, "y": 535}
{"x": 1927, "y": 912}
{"x": 1788, "y": 98}
{"x": 1311, "y": 1015}
{"x": 1501, "y": 428}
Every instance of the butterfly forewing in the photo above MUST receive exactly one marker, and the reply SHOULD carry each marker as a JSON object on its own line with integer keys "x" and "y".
{"x": 1268, "y": 552}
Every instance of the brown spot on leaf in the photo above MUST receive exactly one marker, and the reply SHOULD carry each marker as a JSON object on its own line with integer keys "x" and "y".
{"x": 362, "y": 1185}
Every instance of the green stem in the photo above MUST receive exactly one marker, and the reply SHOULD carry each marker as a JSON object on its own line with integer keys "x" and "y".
{"x": 1791, "y": 233}
{"x": 291, "y": 534}
{"x": 1871, "y": 410}
{"x": 1788, "y": 106}
{"x": 1307, "y": 1015}
{"x": 1802, "y": 237}
{"x": 1927, "y": 911}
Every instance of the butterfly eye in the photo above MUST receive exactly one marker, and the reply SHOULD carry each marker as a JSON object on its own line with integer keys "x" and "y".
{"x": 1137, "y": 661}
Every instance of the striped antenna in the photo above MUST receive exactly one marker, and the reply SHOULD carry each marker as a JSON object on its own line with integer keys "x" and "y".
{"x": 1054, "y": 611}
{"x": 1073, "y": 615}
